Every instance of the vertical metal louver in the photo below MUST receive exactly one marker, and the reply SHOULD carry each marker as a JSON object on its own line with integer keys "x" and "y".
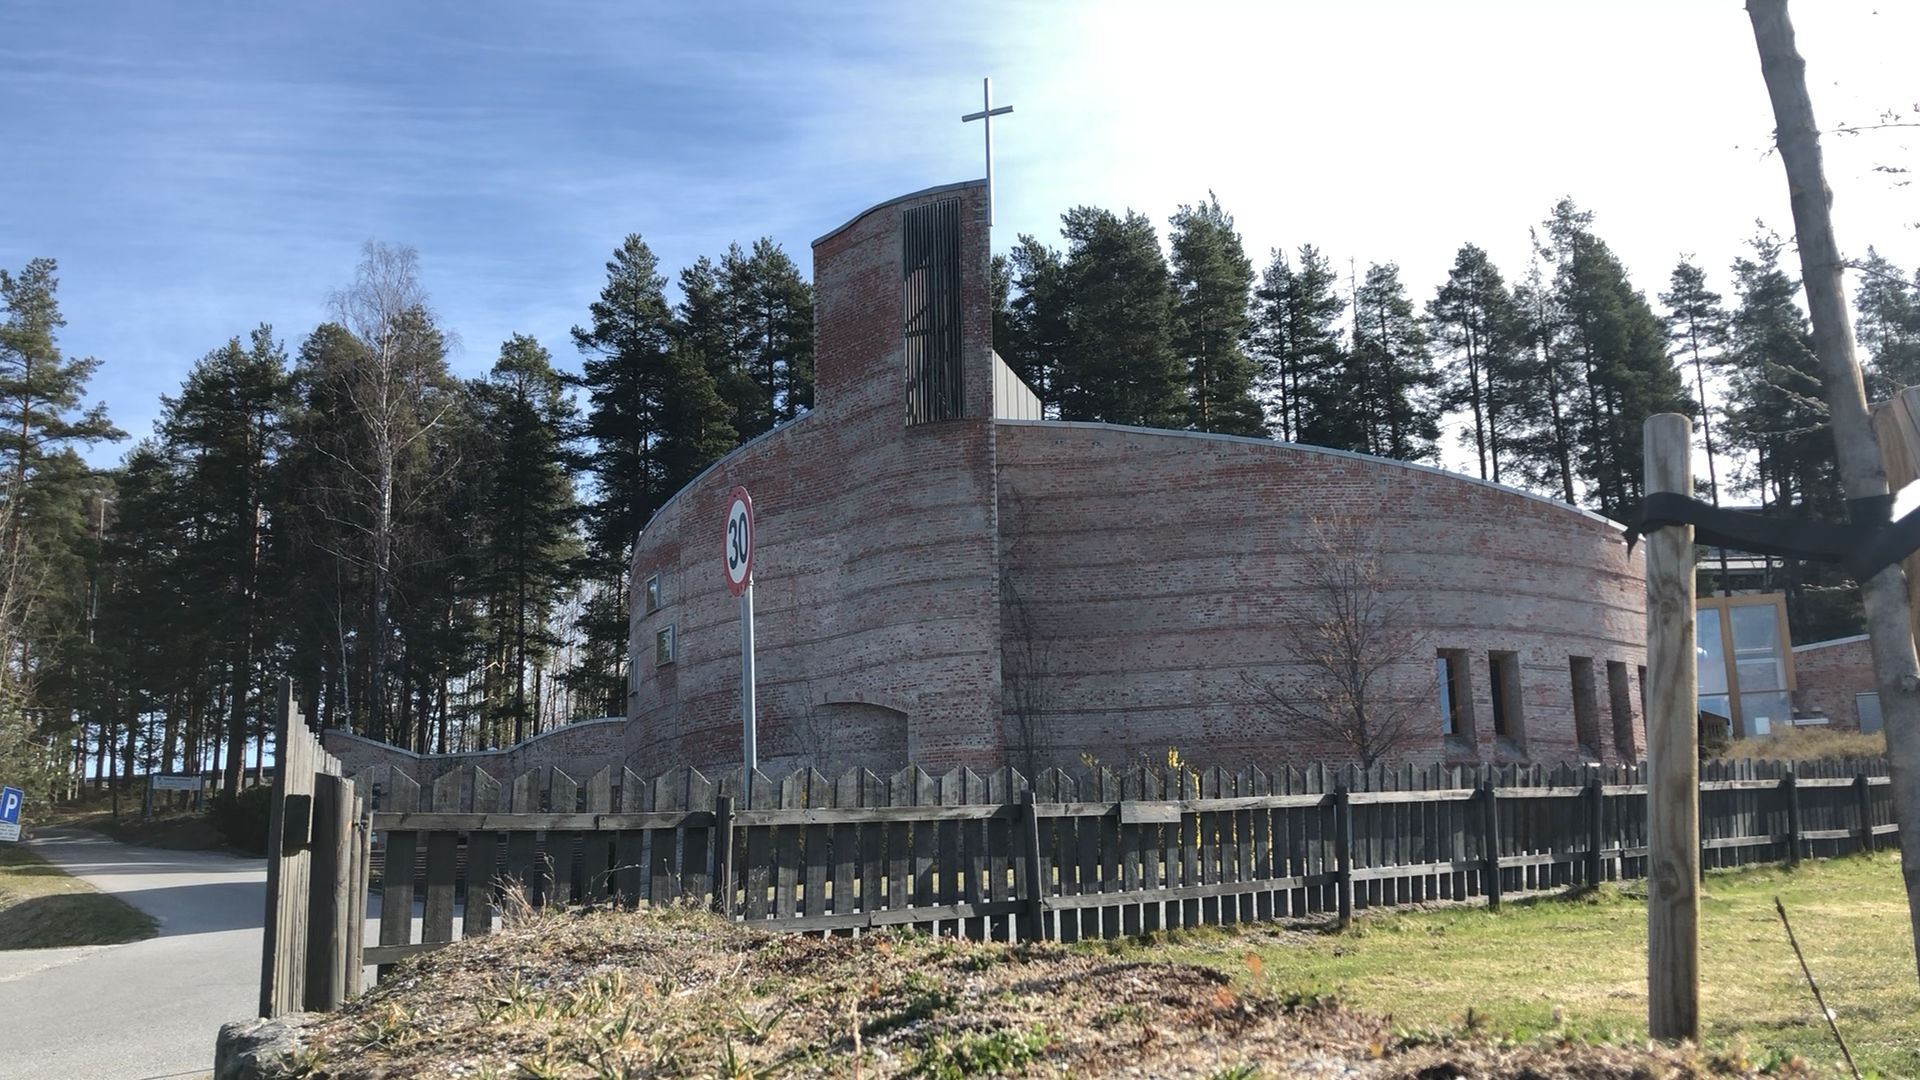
{"x": 930, "y": 249}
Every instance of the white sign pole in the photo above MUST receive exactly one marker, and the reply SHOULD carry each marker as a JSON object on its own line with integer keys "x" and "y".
{"x": 746, "y": 696}
{"x": 740, "y": 582}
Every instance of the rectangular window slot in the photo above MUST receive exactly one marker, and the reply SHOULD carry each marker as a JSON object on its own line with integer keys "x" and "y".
{"x": 1620, "y": 698}
{"x": 1586, "y": 704}
{"x": 1503, "y": 678}
{"x": 653, "y": 593}
{"x": 1456, "y": 697}
{"x": 663, "y": 646}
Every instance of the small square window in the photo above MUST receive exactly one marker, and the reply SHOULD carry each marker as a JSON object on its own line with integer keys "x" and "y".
{"x": 653, "y": 593}
{"x": 663, "y": 646}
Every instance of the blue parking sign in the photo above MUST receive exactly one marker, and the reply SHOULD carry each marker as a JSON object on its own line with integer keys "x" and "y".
{"x": 10, "y": 800}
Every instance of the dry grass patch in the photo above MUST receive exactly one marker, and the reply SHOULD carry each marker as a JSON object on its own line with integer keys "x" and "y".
{"x": 1808, "y": 744}
{"x": 43, "y": 907}
{"x": 608, "y": 994}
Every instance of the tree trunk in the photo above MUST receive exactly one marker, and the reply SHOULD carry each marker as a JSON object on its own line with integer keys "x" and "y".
{"x": 1862, "y": 475}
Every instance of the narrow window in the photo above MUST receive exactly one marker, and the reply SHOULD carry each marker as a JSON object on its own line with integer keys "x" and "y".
{"x": 663, "y": 646}
{"x": 1620, "y": 697}
{"x": 1503, "y": 675}
{"x": 653, "y": 592}
{"x": 1586, "y": 704}
{"x": 1456, "y": 695}
{"x": 633, "y": 674}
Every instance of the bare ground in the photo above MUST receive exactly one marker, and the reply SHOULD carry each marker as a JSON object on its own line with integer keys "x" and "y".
{"x": 610, "y": 994}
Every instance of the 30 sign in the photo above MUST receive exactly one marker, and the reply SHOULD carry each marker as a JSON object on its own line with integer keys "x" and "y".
{"x": 739, "y": 541}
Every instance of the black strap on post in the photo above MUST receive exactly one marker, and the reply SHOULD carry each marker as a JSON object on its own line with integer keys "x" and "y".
{"x": 1868, "y": 543}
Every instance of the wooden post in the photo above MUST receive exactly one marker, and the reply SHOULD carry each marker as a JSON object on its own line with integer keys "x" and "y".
{"x": 1863, "y": 793}
{"x": 1596, "y": 829}
{"x": 1343, "y": 852}
{"x": 331, "y": 882}
{"x": 357, "y": 902}
{"x": 1033, "y": 892}
{"x": 1490, "y": 843}
{"x": 1790, "y": 787}
{"x": 1673, "y": 749}
{"x": 283, "y": 947}
{"x": 723, "y": 855}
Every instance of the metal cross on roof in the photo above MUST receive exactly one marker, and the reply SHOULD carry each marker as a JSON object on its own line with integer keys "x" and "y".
{"x": 985, "y": 116}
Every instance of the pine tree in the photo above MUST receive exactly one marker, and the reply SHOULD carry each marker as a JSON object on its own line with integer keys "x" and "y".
{"x": 1295, "y": 339}
{"x": 654, "y": 419}
{"x": 1212, "y": 277}
{"x": 1545, "y": 442}
{"x": 530, "y": 546}
{"x": 1697, "y": 326}
{"x": 776, "y": 307}
{"x": 1889, "y": 327}
{"x": 44, "y": 490}
{"x": 1777, "y": 415}
{"x": 1380, "y": 402}
{"x": 1031, "y": 335}
{"x": 1609, "y": 330}
{"x": 223, "y": 434}
{"x": 1475, "y": 321}
{"x": 1119, "y": 366}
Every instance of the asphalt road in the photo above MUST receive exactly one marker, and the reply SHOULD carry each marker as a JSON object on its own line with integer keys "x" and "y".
{"x": 147, "y": 1009}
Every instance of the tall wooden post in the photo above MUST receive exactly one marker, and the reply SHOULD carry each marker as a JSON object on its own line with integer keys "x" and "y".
{"x": 1596, "y": 804}
{"x": 1673, "y": 749}
{"x": 1033, "y": 911}
{"x": 1343, "y": 852}
{"x": 1490, "y": 844}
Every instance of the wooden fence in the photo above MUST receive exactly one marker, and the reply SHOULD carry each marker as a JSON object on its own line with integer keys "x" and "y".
{"x": 1064, "y": 857}
{"x": 317, "y": 867}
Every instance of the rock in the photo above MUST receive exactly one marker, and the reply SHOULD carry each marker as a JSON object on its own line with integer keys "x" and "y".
{"x": 259, "y": 1049}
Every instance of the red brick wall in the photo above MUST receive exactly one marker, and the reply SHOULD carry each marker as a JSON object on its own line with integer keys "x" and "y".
{"x": 1153, "y": 566}
{"x": 875, "y": 596}
{"x": 1828, "y": 674}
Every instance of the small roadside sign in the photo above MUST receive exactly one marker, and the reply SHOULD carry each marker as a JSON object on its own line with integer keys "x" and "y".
{"x": 739, "y": 541}
{"x": 10, "y": 800}
{"x": 163, "y": 782}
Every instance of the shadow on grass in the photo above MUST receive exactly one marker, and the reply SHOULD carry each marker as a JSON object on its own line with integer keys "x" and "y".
{"x": 69, "y": 919}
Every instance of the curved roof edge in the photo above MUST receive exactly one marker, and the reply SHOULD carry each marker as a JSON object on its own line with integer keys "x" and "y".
{"x": 855, "y": 219}
{"x": 1328, "y": 451}
{"x": 722, "y": 460}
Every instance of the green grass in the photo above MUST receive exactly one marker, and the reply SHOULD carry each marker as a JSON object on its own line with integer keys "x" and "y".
{"x": 42, "y": 907}
{"x": 1576, "y": 965}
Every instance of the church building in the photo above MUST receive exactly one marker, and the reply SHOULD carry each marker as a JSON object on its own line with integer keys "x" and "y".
{"x": 944, "y": 577}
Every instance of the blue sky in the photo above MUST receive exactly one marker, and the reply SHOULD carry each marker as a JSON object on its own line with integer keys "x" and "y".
{"x": 199, "y": 168}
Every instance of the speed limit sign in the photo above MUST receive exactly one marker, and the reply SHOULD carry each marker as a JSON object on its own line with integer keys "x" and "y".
{"x": 739, "y": 541}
